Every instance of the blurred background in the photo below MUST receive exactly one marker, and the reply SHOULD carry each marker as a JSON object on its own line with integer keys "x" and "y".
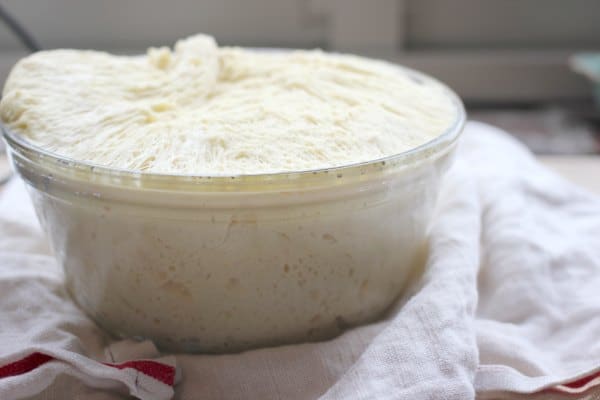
{"x": 512, "y": 61}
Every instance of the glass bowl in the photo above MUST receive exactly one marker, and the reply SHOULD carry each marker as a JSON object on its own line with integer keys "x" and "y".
{"x": 227, "y": 263}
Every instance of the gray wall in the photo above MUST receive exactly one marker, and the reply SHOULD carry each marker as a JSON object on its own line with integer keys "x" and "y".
{"x": 489, "y": 50}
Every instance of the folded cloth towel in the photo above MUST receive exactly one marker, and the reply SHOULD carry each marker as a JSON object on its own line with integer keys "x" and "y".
{"x": 47, "y": 345}
{"x": 509, "y": 304}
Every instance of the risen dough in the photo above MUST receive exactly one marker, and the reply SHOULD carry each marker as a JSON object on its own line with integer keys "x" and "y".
{"x": 205, "y": 110}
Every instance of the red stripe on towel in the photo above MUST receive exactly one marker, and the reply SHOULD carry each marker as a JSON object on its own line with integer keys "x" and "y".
{"x": 582, "y": 381}
{"x": 24, "y": 365}
{"x": 580, "y": 385}
{"x": 161, "y": 372}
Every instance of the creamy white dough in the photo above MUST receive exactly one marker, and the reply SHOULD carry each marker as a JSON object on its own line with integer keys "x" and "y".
{"x": 201, "y": 109}
{"x": 245, "y": 263}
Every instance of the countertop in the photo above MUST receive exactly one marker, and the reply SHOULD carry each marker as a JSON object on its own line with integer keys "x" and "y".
{"x": 583, "y": 170}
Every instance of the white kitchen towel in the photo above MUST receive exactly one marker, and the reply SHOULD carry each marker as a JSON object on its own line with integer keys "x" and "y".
{"x": 48, "y": 347}
{"x": 509, "y": 304}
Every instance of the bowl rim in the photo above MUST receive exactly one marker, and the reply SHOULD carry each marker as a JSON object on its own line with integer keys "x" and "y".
{"x": 433, "y": 148}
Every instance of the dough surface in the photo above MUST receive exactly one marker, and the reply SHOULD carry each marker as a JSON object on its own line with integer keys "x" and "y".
{"x": 204, "y": 110}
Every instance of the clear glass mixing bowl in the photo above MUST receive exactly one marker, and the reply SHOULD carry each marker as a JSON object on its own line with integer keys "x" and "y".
{"x": 220, "y": 264}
